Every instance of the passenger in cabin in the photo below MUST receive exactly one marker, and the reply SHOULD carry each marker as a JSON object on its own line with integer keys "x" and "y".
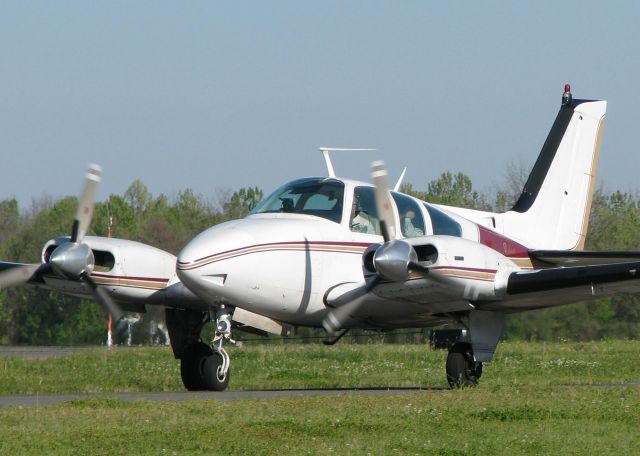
{"x": 408, "y": 228}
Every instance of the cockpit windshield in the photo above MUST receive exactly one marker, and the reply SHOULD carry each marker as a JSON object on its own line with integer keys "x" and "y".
{"x": 319, "y": 196}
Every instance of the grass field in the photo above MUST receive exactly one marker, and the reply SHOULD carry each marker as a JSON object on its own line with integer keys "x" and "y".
{"x": 560, "y": 398}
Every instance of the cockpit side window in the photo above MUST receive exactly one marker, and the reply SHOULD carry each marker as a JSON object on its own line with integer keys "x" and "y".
{"x": 442, "y": 223}
{"x": 364, "y": 215}
{"x": 321, "y": 197}
{"x": 411, "y": 220}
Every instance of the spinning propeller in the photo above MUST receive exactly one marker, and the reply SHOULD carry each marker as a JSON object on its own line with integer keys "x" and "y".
{"x": 72, "y": 260}
{"x": 394, "y": 260}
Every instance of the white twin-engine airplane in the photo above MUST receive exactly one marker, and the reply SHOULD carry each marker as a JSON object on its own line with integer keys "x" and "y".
{"x": 341, "y": 254}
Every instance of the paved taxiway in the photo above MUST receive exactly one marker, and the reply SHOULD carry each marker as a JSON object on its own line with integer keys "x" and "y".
{"x": 35, "y": 400}
{"x": 37, "y": 352}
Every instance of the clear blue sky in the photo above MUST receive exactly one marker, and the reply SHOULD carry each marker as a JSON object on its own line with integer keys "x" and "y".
{"x": 210, "y": 95}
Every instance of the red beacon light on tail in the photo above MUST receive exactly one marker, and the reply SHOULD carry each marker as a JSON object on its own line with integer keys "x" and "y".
{"x": 566, "y": 96}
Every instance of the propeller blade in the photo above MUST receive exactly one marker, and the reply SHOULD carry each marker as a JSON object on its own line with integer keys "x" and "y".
{"x": 85, "y": 204}
{"x": 103, "y": 298}
{"x": 384, "y": 203}
{"x": 17, "y": 275}
{"x": 335, "y": 320}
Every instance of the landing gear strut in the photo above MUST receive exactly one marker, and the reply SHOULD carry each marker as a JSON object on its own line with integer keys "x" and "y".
{"x": 203, "y": 367}
{"x": 216, "y": 368}
{"x": 462, "y": 369}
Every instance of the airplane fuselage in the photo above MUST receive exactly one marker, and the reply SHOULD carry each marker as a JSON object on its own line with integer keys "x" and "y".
{"x": 291, "y": 266}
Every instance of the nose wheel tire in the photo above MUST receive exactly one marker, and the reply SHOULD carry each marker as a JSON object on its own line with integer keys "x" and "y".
{"x": 192, "y": 366}
{"x": 216, "y": 377}
{"x": 462, "y": 369}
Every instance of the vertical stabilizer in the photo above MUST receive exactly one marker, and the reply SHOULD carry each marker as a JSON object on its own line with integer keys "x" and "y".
{"x": 553, "y": 209}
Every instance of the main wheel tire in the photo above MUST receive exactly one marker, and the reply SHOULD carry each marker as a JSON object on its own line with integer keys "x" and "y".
{"x": 192, "y": 366}
{"x": 462, "y": 369}
{"x": 213, "y": 378}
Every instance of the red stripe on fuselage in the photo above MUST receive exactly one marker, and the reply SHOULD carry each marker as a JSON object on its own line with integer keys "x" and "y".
{"x": 271, "y": 244}
{"x": 502, "y": 244}
{"x": 142, "y": 279}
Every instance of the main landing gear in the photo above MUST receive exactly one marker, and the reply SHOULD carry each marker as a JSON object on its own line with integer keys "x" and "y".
{"x": 205, "y": 367}
{"x": 462, "y": 369}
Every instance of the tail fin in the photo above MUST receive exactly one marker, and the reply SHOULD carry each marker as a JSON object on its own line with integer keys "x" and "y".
{"x": 553, "y": 209}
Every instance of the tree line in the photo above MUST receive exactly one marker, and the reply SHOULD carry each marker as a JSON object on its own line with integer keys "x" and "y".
{"x": 35, "y": 316}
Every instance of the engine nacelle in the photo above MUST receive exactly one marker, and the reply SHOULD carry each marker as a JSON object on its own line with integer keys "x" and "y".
{"x": 129, "y": 270}
{"x": 368, "y": 267}
{"x": 469, "y": 269}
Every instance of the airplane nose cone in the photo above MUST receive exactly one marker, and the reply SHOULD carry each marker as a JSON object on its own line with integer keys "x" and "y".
{"x": 201, "y": 264}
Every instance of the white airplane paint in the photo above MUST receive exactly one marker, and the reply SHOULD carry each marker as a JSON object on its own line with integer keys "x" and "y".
{"x": 342, "y": 254}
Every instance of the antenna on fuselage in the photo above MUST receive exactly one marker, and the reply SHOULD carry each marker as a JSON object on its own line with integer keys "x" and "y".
{"x": 400, "y": 179}
{"x": 327, "y": 158}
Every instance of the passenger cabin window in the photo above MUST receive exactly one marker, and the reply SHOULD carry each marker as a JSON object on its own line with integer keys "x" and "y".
{"x": 411, "y": 219}
{"x": 318, "y": 196}
{"x": 442, "y": 223}
{"x": 364, "y": 215}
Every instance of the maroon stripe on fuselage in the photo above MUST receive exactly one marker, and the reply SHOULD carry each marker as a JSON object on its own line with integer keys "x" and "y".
{"x": 147, "y": 279}
{"x": 460, "y": 268}
{"x": 502, "y": 244}
{"x": 301, "y": 243}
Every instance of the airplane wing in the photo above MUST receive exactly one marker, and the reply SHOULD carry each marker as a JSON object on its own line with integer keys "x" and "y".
{"x": 582, "y": 258}
{"x": 527, "y": 290}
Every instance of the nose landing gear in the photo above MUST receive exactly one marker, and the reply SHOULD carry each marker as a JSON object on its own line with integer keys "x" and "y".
{"x": 216, "y": 368}
{"x": 205, "y": 368}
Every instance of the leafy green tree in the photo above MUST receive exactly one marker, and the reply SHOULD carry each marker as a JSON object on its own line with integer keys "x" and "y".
{"x": 138, "y": 197}
{"x": 9, "y": 218}
{"x": 450, "y": 190}
{"x": 508, "y": 192}
{"x": 124, "y": 223}
{"x": 454, "y": 190}
{"x": 242, "y": 202}
{"x": 614, "y": 222}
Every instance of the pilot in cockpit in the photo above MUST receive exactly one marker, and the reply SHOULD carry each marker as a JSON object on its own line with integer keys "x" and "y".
{"x": 360, "y": 220}
{"x": 287, "y": 205}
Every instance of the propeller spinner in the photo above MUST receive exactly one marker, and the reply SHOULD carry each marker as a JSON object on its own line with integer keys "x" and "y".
{"x": 72, "y": 260}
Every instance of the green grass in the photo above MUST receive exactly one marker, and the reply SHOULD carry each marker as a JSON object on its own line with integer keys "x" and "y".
{"x": 316, "y": 366}
{"x": 560, "y": 398}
